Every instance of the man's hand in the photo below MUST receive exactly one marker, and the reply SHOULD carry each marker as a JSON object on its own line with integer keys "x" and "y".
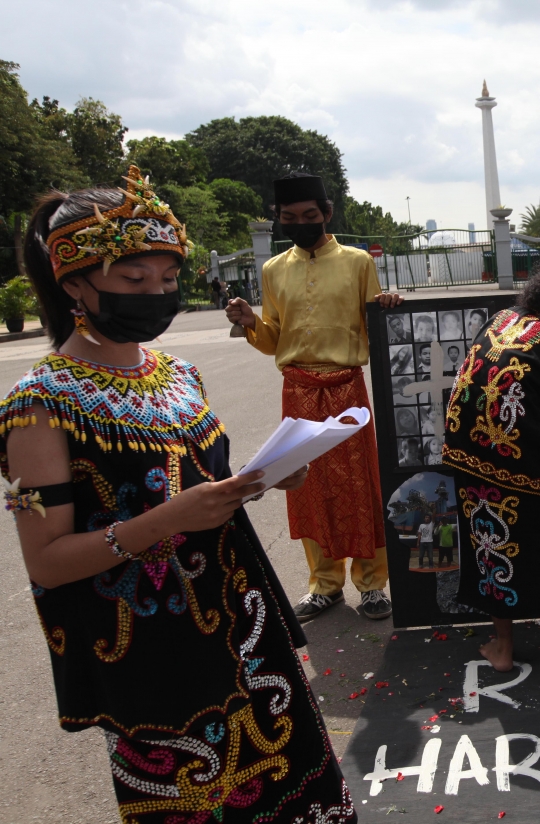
{"x": 239, "y": 311}
{"x": 294, "y": 481}
{"x": 388, "y": 299}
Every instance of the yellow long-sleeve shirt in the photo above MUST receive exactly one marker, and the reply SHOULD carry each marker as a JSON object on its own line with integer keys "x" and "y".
{"x": 314, "y": 309}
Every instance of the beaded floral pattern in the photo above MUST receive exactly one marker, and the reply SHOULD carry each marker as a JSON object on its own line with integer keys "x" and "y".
{"x": 156, "y": 562}
{"x": 490, "y": 516}
{"x": 160, "y": 404}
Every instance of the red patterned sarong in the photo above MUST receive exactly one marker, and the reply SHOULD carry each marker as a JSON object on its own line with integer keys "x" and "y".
{"x": 340, "y": 504}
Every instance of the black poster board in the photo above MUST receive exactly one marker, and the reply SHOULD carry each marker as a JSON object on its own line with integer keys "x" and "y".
{"x": 415, "y": 351}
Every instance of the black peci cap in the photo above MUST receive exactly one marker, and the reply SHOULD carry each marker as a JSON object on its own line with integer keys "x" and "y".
{"x": 297, "y": 187}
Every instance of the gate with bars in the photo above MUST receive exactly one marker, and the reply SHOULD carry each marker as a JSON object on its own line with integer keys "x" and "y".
{"x": 445, "y": 258}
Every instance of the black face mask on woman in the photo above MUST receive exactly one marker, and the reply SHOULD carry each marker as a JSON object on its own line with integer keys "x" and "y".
{"x": 129, "y": 318}
{"x": 304, "y": 235}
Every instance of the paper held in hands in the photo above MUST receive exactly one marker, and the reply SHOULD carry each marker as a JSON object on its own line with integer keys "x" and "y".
{"x": 297, "y": 442}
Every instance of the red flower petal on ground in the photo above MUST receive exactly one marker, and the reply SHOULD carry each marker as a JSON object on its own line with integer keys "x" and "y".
{"x": 501, "y": 814}
{"x": 342, "y": 675}
{"x": 433, "y": 717}
{"x": 425, "y": 727}
{"x": 438, "y": 809}
{"x": 394, "y": 637}
{"x": 400, "y": 777}
{"x": 305, "y": 657}
{"x": 472, "y": 694}
{"x": 363, "y": 691}
{"x": 447, "y": 674}
{"x": 435, "y": 634}
{"x": 443, "y": 637}
{"x": 339, "y": 759}
{"x": 390, "y": 693}
{"x": 380, "y": 684}
{"x": 354, "y": 695}
{"x": 442, "y": 712}
{"x": 327, "y": 672}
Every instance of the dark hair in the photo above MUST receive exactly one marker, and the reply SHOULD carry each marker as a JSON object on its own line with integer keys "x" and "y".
{"x": 480, "y": 312}
{"x": 453, "y": 347}
{"x": 423, "y": 319}
{"x": 404, "y": 381}
{"x": 54, "y": 210}
{"x": 424, "y": 346}
{"x": 529, "y": 299}
{"x": 325, "y": 206}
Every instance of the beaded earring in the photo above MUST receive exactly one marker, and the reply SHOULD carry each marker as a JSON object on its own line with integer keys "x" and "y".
{"x": 80, "y": 324}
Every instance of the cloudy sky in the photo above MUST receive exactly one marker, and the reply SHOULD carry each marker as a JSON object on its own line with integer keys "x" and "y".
{"x": 392, "y": 83}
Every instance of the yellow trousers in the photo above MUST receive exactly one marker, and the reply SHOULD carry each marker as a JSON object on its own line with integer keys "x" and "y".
{"x": 327, "y": 576}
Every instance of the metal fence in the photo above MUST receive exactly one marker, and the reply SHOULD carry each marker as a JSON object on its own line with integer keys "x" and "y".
{"x": 445, "y": 258}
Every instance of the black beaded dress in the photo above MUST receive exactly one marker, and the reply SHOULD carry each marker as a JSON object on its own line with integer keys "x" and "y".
{"x": 185, "y": 656}
{"x": 493, "y": 444}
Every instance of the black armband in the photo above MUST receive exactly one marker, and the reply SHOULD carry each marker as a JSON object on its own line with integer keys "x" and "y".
{"x": 52, "y": 494}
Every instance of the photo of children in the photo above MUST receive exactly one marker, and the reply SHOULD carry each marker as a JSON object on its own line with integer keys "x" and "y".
{"x": 423, "y": 511}
{"x": 454, "y": 355}
{"x": 410, "y": 337}
{"x": 399, "y": 329}
{"x": 450, "y": 325}
{"x": 422, "y": 353}
{"x": 401, "y": 360}
{"x": 424, "y": 326}
{"x": 406, "y": 422}
{"x": 432, "y": 451}
{"x": 409, "y": 451}
{"x": 474, "y": 320}
{"x": 398, "y": 385}
{"x": 427, "y": 419}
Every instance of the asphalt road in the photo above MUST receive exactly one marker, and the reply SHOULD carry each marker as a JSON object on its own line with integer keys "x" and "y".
{"x": 52, "y": 777}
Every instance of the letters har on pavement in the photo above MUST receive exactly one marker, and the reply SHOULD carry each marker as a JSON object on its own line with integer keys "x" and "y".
{"x": 455, "y": 731}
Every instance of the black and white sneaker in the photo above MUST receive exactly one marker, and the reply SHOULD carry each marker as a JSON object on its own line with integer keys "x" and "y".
{"x": 313, "y": 604}
{"x": 376, "y": 605}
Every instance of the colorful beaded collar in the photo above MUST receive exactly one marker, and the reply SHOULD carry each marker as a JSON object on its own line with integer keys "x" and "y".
{"x": 158, "y": 404}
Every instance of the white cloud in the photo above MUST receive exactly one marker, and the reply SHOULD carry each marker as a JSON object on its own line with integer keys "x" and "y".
{"x": 392, "y": 82}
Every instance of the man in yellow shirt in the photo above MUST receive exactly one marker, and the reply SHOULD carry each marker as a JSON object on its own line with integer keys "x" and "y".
{"x": 314, "y": 323}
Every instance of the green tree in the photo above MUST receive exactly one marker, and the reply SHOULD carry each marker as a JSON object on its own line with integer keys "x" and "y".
{"x": 530, "y": 221}
{"x": 169, "y": 161}
{"x": 370, "y": 222}
{"x": 200, "y": 211}
{"x": 240, "y": 204}
{"x": 257, "y": 150}
{"x": 32, "y": 157}
{"x": 96, "y": 136}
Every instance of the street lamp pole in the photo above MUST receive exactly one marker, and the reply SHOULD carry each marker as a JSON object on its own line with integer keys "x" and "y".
{"x": 409, "y": 208}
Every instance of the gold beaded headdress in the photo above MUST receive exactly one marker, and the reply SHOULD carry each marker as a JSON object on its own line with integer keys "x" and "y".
{"x": 143, "y": 223}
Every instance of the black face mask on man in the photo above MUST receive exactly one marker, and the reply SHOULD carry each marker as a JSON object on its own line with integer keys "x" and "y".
{"x": 304, "y": 235}
{"x": 129, "y": 318}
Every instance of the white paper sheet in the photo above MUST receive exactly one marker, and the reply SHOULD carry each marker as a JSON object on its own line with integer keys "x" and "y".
{"x": 297, "y": 442}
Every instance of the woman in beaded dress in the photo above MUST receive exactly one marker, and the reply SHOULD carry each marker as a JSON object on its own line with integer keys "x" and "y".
{"x": 166, "y": 624}
{"x": 492, "y": 444}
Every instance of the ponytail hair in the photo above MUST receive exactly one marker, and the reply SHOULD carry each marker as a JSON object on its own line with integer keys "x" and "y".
{"x": 54, "y": 210}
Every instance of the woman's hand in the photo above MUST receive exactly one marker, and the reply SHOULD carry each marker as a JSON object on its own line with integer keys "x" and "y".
{"x": 294, "y": 481}
{"x": 388, "y": 299}
{"x": 209, "y": 505}
{"x": 239, "y": 311}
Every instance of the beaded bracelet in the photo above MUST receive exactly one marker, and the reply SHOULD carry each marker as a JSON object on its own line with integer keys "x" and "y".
{"x": 114, "y": 546}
